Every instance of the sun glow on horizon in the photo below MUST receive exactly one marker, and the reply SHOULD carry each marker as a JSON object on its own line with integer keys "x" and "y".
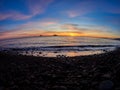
{"x": 74, "y": 34}
{"x": 78, "y": 18}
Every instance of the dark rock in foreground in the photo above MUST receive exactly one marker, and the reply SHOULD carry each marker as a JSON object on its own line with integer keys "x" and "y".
{"x": 98, "y": 72}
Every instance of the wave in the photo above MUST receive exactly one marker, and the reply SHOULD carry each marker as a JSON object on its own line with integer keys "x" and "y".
{"x": 64, "y": 48}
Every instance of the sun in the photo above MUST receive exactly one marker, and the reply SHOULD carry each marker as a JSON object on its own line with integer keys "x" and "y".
{"x": 72, "y": 34}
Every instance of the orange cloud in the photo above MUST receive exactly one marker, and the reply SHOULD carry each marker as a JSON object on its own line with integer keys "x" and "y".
{"x": 48, "y": 23}
{"x": 35, "y": 29}
{"x": 20, "y": 33}
{"x": 23, "y": 33}
{"x": 28, "y": 29}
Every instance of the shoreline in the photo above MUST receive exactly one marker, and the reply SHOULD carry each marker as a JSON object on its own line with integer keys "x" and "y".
{"x": 91, "y": 72}
{"x": 61, "y": 51}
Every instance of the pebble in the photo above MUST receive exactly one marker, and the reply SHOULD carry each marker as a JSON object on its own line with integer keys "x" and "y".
{"x": 59, "y": 88}
{"x": 107, "y": 75}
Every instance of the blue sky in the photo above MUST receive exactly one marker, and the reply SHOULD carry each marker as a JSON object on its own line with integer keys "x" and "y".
{"x": 97, "y": 18}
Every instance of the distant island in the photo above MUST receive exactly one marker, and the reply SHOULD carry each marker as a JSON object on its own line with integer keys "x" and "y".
{"x": 47, "y": 36}
{"x": 55, "y": 35}
{"x": 117, "y": 39}
{"x": 41, "y": 35}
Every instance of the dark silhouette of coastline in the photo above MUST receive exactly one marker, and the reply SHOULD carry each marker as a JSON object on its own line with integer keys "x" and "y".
{"x": 55, "y": 35}
{"x": 117, "y": 39}
{"x": 59, "y": 36}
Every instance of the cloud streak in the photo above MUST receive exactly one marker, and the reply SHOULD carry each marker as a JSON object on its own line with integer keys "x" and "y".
{"x": 35, "y": 7}
{"x": 81, "y": 9}
{"x": 88, "y": 6}
{"x": 25, "y": 30}
{"x": 92, "y": 31}
{"x": 14, "y": 16}
{"x": 37, "y": 24}
{"x": 28, "y": 29}
{"x": 73, "y": 28}
{"x": 38, "y": 6}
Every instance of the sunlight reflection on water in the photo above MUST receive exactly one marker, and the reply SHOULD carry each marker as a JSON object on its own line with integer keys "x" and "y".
{"x": 55, "y": 46}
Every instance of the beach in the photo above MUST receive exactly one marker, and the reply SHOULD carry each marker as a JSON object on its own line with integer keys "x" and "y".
{"x": 59, "y": 44}
{"x": 92, "y": 72}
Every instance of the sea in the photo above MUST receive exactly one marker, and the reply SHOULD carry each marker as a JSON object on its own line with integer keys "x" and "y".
{"x": 58, "y": 46}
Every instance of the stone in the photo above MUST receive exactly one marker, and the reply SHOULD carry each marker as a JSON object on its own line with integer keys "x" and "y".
{"x": 106, "y": 85}
{"x": 106, "y": 75}
{"x": 59, "y": 88}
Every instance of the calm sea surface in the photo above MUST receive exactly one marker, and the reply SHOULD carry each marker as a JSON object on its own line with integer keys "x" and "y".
{"x": 58, "y": 46}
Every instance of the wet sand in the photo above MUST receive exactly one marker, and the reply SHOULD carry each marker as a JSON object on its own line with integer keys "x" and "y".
{"x": 57, "y": 51}
{"x": 96, "y": 72}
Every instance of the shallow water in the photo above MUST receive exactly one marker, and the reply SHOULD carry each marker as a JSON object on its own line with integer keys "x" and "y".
{"x": 58, "y": 46}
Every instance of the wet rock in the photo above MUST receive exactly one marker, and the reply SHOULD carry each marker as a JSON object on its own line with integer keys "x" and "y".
{"x": 32, "y": 76}
{"x": 106, "y": 85}
{"x": 14, "y": 87}
{"x": 58, "y": 88}
{"x": 85, "y": 73}
{"x": 106, "y": 75}
{"x": 84, "y": 81}
{"x": 1, "y": 88}
{"x": 55, "y": 52}
{"x": 61, "y": 56}
{"x": 94, "y": 83}
{"x": 117, "y": 88}
{"x": 79, "y": 76}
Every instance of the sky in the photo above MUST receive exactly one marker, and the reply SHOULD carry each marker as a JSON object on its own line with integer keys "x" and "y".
{"x": 94, "y": 18}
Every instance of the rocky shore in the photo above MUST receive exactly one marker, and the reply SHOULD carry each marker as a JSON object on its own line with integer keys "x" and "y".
{"x": 96, "y": 72}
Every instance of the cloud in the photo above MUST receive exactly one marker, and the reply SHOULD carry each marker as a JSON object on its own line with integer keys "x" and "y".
{"x": 14, "y": 15}
{"x": 4, "y": 16}
{"x": 28, "y": 29}
{"x": 88, "y": 6}
{"x": 74, "y": 13}
{"x": 93, "y": 31}
{"x": 20, "y": 16}
{"x": 38, "y": 6}
{"x": 35, "y": 7}
{"x": 38, "y": 24}
{"x": 72, "y": 27}
{"x": 81, "y": 9}
{"x": 20, "y": 33}
{"x": 48, "y": 23}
